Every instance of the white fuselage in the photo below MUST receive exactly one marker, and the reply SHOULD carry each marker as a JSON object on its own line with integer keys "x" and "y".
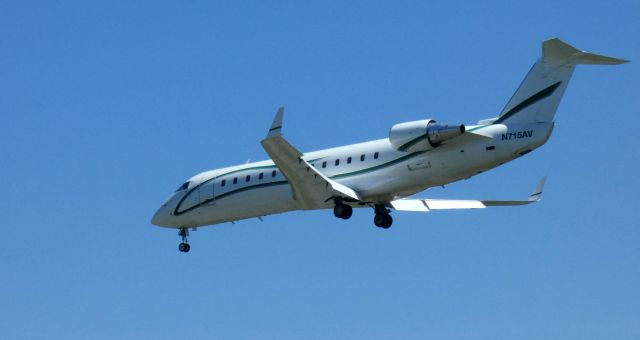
{"x": 379, "y": 174}
{"x": 377, "y": 171}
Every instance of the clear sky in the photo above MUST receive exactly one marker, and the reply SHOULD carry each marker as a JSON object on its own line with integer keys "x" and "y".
{"x": 109, "y": 106}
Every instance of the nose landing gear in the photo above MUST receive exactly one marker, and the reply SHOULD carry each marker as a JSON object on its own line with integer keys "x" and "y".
{"x": 184, "y": 245}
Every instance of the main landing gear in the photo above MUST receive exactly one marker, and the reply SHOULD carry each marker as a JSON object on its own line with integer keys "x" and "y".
{"x": 382, "y": 219}
{"x": 343, "y": 211}
{"x": 184, "y": 245}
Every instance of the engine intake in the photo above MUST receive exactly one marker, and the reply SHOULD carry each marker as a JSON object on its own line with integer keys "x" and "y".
{"x": 422, "y": 135}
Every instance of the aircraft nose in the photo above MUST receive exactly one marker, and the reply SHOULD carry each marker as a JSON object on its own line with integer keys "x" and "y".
{"x": 161, "y": 217}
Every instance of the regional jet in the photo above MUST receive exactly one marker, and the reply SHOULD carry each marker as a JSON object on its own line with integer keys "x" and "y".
{"x": 382, "y": 174}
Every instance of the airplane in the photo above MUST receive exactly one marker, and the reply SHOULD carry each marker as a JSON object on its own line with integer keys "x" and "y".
{"x": 383, "y": 173}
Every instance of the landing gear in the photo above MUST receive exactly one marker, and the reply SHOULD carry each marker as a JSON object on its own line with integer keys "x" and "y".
{"x": 184, "y": 245}
{"x": 343, "y": 211}
{"x": 382, "y": 219}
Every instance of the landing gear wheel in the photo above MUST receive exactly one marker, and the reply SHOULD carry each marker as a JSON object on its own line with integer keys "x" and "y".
{"x": 388, "y": 221}
{"x": 184, "y": 247}
{"x": 383, "y": 220}
{"x": 343, "y": 211}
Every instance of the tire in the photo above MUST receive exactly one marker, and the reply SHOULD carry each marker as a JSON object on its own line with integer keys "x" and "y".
{"x": 383, "y": 221}
{"x": 388, "y": 221}
{"x": 343, "y": 211}
{"x": 348, "y": 211}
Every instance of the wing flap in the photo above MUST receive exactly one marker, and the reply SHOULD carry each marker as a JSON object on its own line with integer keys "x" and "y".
{"x": 453, "y": 204}
{"x": 425, "y": 205}
{"x": 410, "y": 205}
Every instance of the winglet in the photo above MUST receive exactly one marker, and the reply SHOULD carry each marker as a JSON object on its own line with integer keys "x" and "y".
{"x": 537, "y": 193}
{"x": 276, "y": 126}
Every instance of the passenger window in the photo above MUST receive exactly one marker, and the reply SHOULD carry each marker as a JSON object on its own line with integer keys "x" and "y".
{"x": 337, "y": 162}
{"x": 248, "y": 178}
{"x": 260, "y": 176}
{"x": 361, "y": 158}
{"x": 273, "y": 173}
{"x": 375, "y": 155}
{"x": 224, "y": 181}
{"x": 235, "y": 180}
{"x": 348, "y": 160}
{"x": 324, "y": 164}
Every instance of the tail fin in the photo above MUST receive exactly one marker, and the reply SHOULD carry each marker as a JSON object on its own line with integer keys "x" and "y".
{"x": 539, "y": 94}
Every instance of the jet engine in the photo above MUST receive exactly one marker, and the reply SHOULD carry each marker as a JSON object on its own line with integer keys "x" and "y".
{"x": 422, "y": 135}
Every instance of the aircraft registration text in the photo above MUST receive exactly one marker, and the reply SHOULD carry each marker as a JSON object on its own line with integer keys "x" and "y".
{"x": 517, "y": 135}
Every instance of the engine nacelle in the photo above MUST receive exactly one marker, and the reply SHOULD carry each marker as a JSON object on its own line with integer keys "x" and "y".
{"x": 422, "y": 135}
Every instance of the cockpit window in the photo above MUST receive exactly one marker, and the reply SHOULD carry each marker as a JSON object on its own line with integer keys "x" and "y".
{"x": 183, "y": 187}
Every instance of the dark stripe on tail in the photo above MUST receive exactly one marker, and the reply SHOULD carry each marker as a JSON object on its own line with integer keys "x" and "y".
{"x": 528, "y": 102}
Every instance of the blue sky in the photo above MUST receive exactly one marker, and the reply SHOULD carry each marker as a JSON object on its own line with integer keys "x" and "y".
{"x": 107, "y": 107}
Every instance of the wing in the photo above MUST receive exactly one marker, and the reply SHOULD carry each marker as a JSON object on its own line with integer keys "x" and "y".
{"x": 310, "y": 188}
{"x": 425, "y": 205}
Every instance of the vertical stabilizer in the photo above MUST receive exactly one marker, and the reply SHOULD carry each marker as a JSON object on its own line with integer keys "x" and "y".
{"x": 538, "y": 96}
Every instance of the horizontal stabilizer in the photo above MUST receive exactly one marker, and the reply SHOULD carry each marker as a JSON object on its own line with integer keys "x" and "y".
{"x": 558, "y": 52}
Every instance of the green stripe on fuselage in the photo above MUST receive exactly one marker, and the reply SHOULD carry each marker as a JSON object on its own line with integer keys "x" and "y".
{"x": 229, "y": 193}
{"x": 261, "y": 185}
